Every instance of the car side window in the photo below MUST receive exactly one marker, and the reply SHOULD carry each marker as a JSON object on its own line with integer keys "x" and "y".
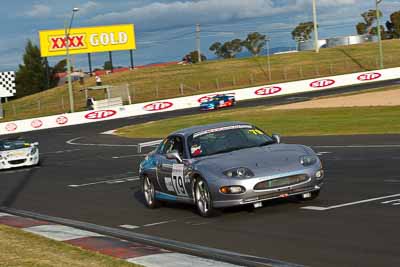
{"x": 171, "y": 144}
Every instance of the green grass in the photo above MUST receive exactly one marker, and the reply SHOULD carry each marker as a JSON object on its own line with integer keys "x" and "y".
{"x": 19, "y": 248}
{"x": 164, "y": 82}
{"x": 326, "y": 121}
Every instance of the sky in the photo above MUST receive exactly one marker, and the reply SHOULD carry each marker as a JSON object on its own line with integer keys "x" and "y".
{"x": 165, "y": 29}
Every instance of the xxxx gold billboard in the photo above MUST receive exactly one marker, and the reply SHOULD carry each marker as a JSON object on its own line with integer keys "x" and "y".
{"x": 87, "y": 40}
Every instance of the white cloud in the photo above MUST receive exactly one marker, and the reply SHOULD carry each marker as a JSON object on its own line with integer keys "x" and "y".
{"x": 88, "y": 7}
{"x": 38, "y": 10}
{"x": 181, "y": 12}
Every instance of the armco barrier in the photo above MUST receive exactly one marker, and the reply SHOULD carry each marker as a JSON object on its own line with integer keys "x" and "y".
{"x": 193, "y": 101}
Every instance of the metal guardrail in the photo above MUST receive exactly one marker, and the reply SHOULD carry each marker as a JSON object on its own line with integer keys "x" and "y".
{"x": 148, "y": 144}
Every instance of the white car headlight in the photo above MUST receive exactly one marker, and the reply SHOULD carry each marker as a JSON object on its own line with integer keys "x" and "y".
{"x": 240, "y": 172}
{"x": 308, "y": 160}
{"x": 34, "y": 150}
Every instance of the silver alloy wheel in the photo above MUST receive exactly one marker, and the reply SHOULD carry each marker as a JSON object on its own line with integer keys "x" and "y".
{"x": 148, "y": 190}
{"x": 203, "y": 200}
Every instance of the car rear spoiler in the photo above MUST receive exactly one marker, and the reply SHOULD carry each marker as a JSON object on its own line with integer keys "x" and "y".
{"x": 148, "y": 144}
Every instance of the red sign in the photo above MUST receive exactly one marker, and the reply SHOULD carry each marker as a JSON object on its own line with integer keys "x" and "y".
{"x": 61, "y": 120}
{"x": 10, "y": 127}
{"x": 61, "y": 43}
{"x": 322, "y": 83}
{"x": 268, "y": 90}
{"x": 36, "y": 123}
{"x": 157, "y": 106}
{"x": 100, "y": 114}
{"x": 369, "y": 76}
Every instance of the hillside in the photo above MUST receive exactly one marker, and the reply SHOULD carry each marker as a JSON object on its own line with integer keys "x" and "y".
{"x": 166, "y": 82}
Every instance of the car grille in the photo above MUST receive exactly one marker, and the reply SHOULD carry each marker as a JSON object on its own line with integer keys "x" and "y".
{"x": 16, "y": 162}
{"x": 280, "y": 182}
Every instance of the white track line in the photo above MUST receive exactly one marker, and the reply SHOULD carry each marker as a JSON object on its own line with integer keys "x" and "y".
{"x": 346, "y": 204}
{"x": 129, "y": 156}
{"x": 114, "y": 181}
{"x": 158, "y": 223}
{"x": 72, "y": 142}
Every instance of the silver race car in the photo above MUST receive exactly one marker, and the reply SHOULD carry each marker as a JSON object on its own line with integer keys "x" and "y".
{"x": 227, "y": 164}
{"x": 18, "y": 153}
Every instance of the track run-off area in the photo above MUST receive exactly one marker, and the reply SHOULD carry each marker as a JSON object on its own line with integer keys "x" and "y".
{"x": 92, "y": 177}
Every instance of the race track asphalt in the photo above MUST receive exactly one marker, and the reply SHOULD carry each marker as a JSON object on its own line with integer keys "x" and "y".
{"x": 93, "y": 178}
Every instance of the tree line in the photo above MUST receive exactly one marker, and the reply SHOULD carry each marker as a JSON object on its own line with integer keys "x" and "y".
{"x": 254, "y": 43}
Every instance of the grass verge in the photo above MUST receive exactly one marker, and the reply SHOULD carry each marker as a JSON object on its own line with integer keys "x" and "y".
{"x": 18, "y": 248}
{"x": 166, "y": 82}
{"x": 324, "y": 121}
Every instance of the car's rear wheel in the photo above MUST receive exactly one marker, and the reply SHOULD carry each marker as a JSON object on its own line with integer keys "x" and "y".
{"x": 203, "y": 199}
{"x": 149, "y": 193}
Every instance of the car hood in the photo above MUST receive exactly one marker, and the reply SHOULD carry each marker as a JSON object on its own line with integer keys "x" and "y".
{"x": 266, "y": 160}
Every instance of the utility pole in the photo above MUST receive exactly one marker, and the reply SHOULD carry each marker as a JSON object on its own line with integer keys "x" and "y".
{"x": 378, "y": 28}
{"x": 316, "y": 45}
{"x": 198, "y": 41}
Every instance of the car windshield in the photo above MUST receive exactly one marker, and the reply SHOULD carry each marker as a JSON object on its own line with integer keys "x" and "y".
{"x": 227, "y": 139}
{"x": 11, "y": 145}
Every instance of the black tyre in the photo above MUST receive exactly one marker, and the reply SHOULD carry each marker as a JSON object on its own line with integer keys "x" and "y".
{"x": 203, "y": 199}
{"x": 149, "y": 193}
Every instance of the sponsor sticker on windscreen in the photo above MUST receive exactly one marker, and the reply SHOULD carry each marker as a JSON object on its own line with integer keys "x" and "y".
{"x": 222, "y": 129}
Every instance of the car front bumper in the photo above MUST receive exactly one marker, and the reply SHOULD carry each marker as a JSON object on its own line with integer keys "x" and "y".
{"x": 18, "y": 162}
{"x": 251, "y": 195}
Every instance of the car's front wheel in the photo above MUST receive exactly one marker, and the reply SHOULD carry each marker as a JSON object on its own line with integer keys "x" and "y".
{"x": 203, "y": 199}
{"x": 149, "y": 193}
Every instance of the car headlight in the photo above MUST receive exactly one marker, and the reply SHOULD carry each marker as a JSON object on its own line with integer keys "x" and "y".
{"x": 308, "y": 160}
{"x": 240, "y": 172}
{"x": 34, "y": 150}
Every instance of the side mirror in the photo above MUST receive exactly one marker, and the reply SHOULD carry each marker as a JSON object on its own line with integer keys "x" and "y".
{"x": 277, "y": 138}
{"x": 174, "y": 155}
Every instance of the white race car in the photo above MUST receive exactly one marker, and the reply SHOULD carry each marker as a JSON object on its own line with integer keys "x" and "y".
{"x": 18, "y": 153}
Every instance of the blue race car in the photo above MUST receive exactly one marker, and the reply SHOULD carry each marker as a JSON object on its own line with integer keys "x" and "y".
{"x": 218, "y": 101}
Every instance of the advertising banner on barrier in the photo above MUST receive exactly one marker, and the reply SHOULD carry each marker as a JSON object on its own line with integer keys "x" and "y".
{"x": 195, "y": 100}
{"x": 87, "y": 40}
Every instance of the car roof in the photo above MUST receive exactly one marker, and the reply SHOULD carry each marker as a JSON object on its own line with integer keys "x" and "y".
{"x": 191, "y": 130}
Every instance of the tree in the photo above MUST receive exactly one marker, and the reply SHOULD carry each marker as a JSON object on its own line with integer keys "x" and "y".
{"x": 108, "y": 65}
{"x": 367, "y": 27}
{"x": 393, "y": 26}
{"x": 303, "y": 31}
{"x": 31, "y": 75}
{"x": 193, "y": 57}
{"x": 227, "y": 50}
{"x": 255, "y": 43}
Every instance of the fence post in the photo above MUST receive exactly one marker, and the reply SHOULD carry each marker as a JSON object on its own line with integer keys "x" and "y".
{"x": 285, "y": 73}
{"x": 181, "y": 88}
{"x": 198, "y": 86}
{"x": 251, "y": 78}
{"x": 301, "y": 72}
{"x": 234, "y": 81}
{"x": 331, "y": 68}
{"x": 217, "y": 83}
{"x": 157, "y": 88}
{"x": 316, "y": 70}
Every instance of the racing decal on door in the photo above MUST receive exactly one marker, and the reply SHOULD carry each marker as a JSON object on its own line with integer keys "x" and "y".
{"x": 177, "y": 180}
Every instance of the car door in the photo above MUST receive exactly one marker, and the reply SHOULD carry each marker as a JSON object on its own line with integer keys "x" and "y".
{"x": 170, "y": 172}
